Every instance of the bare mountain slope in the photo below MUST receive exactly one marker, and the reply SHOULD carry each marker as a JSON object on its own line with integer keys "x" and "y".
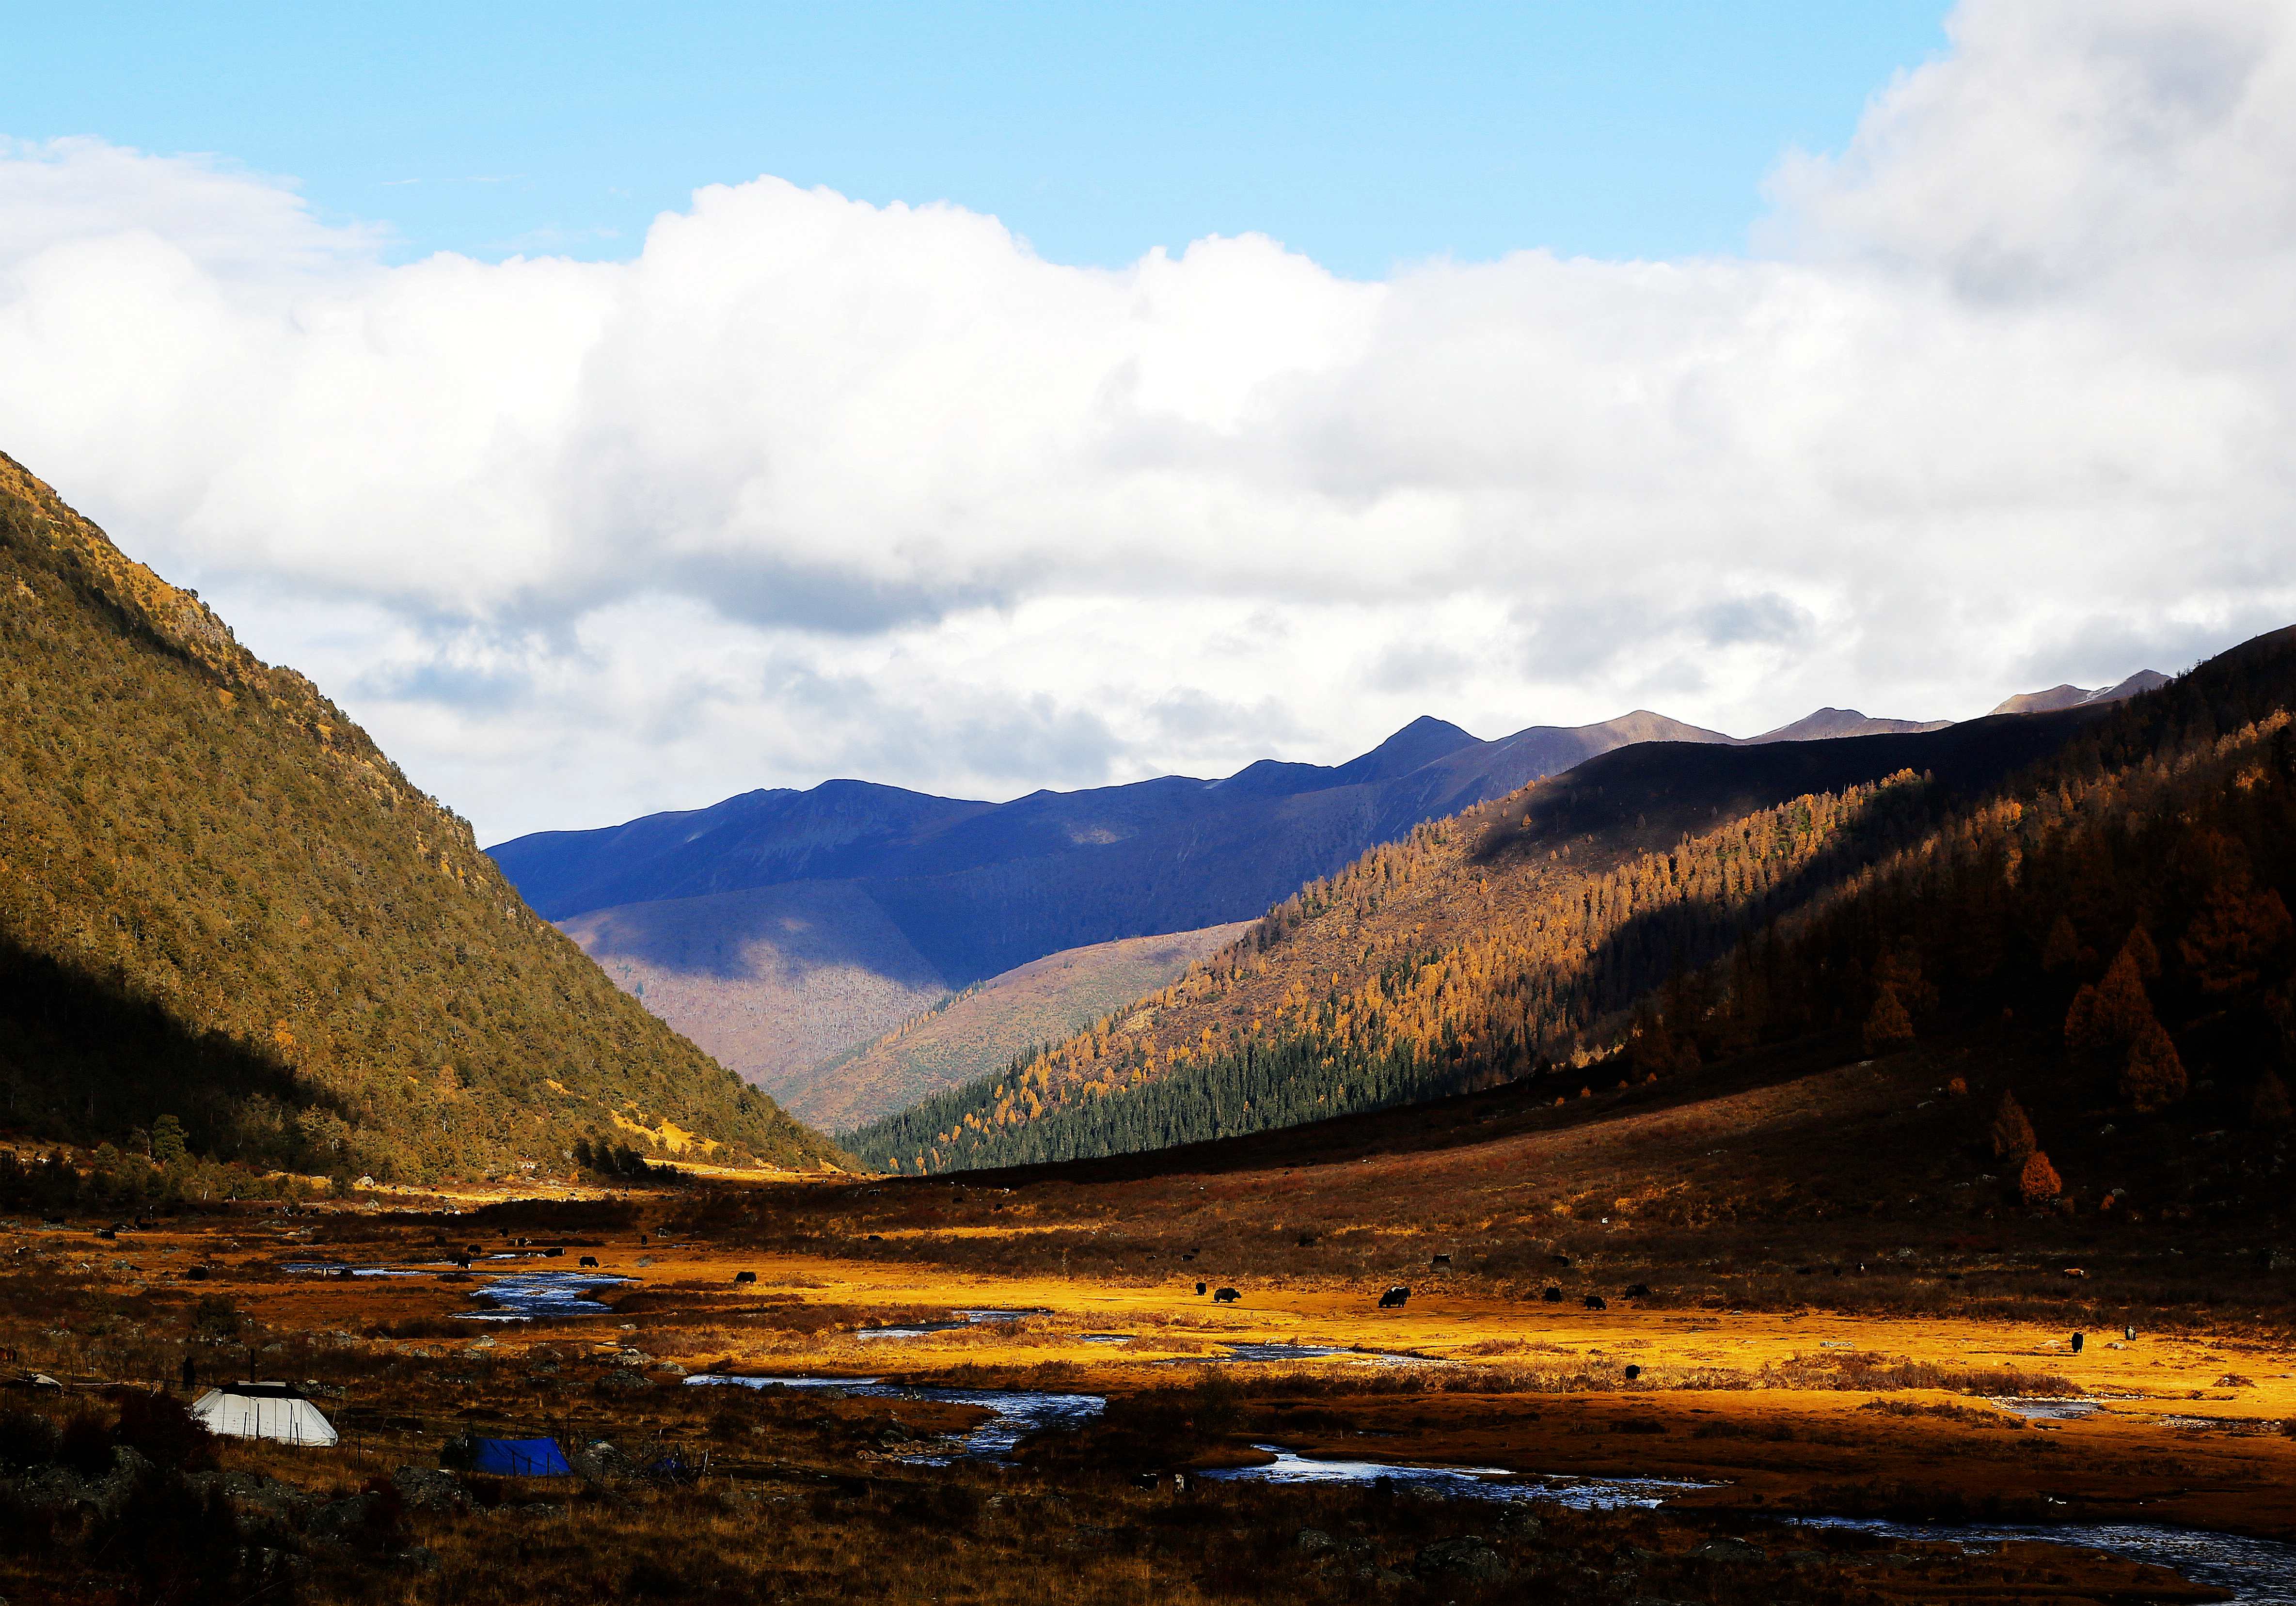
{"x": 1829, "y": 722}
{"x": 993, "y": 1022}
{"x": 2074, "y": 696}
{"x": 770, "y": 981}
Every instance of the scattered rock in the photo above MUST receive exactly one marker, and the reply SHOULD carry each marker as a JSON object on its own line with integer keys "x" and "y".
{"x": 1313, "y": 1542}
{"x": 1467, "y": 1559}
{"x": 427, "y": 1490}
{"x": 340, "y": 1520}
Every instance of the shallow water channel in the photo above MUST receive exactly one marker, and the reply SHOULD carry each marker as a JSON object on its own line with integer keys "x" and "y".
{"x": 512, "y": 1296}
{"x": 2258, "y": 1572}
{"x": 1014, "y": 1413}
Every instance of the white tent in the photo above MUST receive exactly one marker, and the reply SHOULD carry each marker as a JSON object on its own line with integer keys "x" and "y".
{"x": 263, "y": 1410}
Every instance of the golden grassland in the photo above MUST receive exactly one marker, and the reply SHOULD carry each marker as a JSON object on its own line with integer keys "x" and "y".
{"x": 1834, "y": 1298}
{"x": 1783, "y": 1409}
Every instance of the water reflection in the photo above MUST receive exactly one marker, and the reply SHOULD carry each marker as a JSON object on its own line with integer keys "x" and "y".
{"x": 522, "y": 1296}
{"x": 1014, "y": 1413}
{"x": 2037, "y": 1409}
{"x": 1474, "y": 1483}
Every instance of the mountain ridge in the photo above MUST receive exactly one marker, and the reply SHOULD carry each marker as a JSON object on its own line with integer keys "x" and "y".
{"x": 975, "y": 890}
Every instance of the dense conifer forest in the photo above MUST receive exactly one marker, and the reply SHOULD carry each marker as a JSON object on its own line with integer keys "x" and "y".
{"x": 231, "y": 929}
{"x": 2130, "y": 898}
{"x": 1509, "y": 941}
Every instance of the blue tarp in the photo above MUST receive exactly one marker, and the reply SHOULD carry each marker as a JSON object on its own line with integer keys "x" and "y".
{"x": 519, "y": 1457}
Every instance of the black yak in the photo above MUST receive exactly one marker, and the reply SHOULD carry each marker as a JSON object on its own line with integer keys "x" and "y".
{"x": 1553, "y": 1296}
{"x": 2078, "y": 1340}
{"x": 1202, "y": 1287}
{"x": 1595, "y": 1302}
{"x": 1393, "y": 1298}
{"x": 589, "y": 1260}
{"x": 745, "y": 1277}
{"x": 1441, "y": 1260}
{"x": 1227, "y": 1296}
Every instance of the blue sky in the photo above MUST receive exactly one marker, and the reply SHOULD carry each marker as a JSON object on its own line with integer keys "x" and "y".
{"x": 1360, "y": 135}
{"x": 805, "y": 485}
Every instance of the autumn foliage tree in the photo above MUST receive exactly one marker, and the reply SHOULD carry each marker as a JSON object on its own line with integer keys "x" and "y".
{"x": 2240, "y": 929}
{"x": 1888, "y": 1027}
{"x": 2038, "y": 1182}
{"x": 2011, "y": 1134}
{"x": 2153, "y": 1077}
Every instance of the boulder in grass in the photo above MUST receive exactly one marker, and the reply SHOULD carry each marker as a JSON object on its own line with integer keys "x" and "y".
{"x": 1465, "y": 1560}
{"x": 427, "y": 1488}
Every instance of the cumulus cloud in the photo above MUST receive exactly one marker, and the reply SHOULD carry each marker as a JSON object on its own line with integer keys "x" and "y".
{"x": 809, "y": 486}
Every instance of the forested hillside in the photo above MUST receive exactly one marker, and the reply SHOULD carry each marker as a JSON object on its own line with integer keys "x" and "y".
{"x": 2130, "y": 896}
{"x": 227, "y": 918}
{"x": 1511, "y": 937}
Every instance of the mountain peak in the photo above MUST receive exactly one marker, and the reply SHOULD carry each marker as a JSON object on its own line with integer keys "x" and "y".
{"x": 2069, "y": 696}
{"x": 1827, "y": 724}
{"x": 1420, "y": 742}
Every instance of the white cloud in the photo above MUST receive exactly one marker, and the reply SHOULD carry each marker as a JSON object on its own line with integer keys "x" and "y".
{"x": 811, "y": 487}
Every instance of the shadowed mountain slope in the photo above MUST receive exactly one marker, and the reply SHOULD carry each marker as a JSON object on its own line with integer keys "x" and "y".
{"x": 219, "y": 902}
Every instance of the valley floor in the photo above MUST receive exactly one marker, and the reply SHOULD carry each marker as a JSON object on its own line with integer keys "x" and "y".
{"x": 1804, "y": 1411}
{"x": 1787, "y": 1287}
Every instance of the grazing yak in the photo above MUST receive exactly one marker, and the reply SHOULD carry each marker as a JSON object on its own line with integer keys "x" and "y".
{"x": 1441, "y": 1260}
{"x": 588, "y": 1260}
{"x": 1200, "y": 1287}
{"x": 1553, "y": 1296}
{"x": 1595, "y": 1302}
{"x": 1226, "y": 1296}
{"x": 745, "y": 1277}
{"x": 1640, "y": 1290}
{"x": 1393, "y": 1298}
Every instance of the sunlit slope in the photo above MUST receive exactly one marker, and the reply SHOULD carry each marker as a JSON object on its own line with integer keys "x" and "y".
{"x": 989, "y": 1025}
{"x": 1510, "y": 936}
{"x": 219, "y": 901}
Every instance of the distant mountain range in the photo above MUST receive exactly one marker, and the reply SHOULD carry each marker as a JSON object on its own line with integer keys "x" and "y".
{"x": 780, "y": 929}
